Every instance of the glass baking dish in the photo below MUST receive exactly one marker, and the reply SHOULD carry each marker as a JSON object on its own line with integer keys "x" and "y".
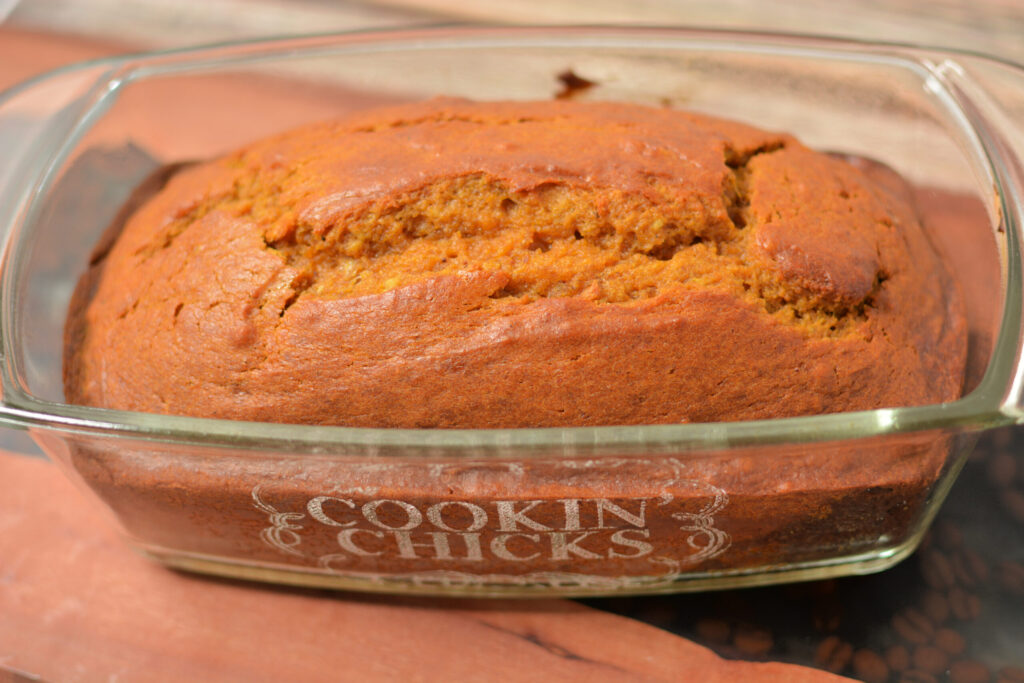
{"x": 521, "y": 512}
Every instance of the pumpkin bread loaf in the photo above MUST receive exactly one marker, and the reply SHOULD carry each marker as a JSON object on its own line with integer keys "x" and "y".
{"x": 518, "y": 264}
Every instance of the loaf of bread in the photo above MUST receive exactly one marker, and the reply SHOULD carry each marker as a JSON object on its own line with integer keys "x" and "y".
{"x": 518, "y": 264}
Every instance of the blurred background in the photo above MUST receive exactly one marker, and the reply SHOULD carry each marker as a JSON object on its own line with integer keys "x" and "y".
{"x": 992, "y": 26}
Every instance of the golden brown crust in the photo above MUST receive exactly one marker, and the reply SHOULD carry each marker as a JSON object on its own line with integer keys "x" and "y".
{"x": 459, "y": 264}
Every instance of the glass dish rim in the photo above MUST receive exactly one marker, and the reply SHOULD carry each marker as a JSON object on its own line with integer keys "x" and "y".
{"x": 986, "y": 406}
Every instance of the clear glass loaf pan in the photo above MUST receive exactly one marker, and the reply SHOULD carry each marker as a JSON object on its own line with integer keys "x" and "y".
{"x": 577, "y": 511}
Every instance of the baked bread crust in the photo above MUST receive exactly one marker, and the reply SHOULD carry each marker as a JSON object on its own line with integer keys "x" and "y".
{"x": 461, "y": 264}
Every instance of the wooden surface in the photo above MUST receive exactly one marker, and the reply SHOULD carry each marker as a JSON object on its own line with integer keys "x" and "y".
{"x": 991, "y": 26}
{"x": 76, "y": 604}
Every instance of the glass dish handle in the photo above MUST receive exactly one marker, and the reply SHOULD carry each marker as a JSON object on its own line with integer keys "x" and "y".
{"x": 36, "y": 118}
{"x": 991, "y": 94}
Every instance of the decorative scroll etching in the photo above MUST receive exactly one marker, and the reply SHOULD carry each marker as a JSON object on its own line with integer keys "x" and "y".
{"x": 702, "y": 523}
{"x": 281, "y": 533}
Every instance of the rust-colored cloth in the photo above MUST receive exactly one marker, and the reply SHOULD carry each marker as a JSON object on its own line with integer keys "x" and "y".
{"x": 25, "y": 53}
{"x": 76, "y": 604}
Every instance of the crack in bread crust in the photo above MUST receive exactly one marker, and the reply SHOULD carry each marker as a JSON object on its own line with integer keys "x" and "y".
{"x": 553, "y": 240}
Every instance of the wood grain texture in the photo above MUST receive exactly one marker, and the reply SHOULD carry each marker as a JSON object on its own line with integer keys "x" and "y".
{"x": 989, "y": 26}
{"x": 76, "y": 604}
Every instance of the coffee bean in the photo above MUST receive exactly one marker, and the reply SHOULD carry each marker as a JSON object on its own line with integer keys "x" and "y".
{"x": 935, "y": 605}
{"x": 1011, "y": 576}
{"x": 917, "y": 676}
{"x": 948, "y": 535}
{"x": 969, "y": 671}
{"x": 827, "y": 616}
{"x": 659, "y": 614}
{"x": 713, "y": 630}
{"x": 1010, "y": 674}
{"x": 913, "y": 626}
{"x": 1013, "y": 502}
{"x": 898, "y": 658}
{"x": 753, "y": 642}
{"x": 937, "y": 570}
{"x": 833, "y": 654}
{"x": 798, "y": 591}
{"x": 969, "y": 568}
{"x": 821, "y": 589}
{"x": 965, "y": 606}
{"x": 950, "y": 641}
{"x": 870, "y": 667}
{"x": 1001, "y": 469}
{"x": 1001, "y": 439}
{"x": 930, "y": 658}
